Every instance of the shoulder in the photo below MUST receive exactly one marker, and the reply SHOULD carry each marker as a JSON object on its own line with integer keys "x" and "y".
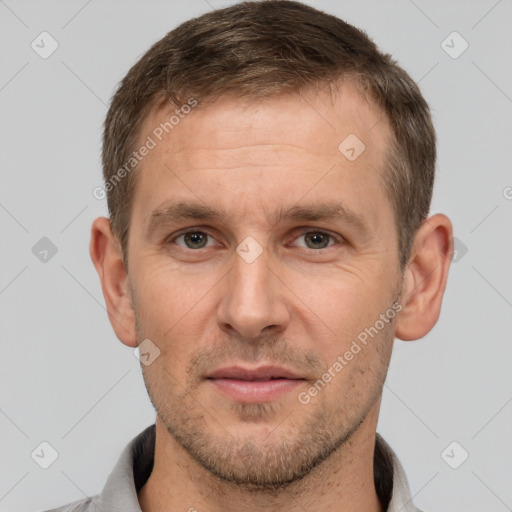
{"x": 83, "y": 505}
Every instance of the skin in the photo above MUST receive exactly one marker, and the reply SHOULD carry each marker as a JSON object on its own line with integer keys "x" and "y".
{"x": 299, "y": 304}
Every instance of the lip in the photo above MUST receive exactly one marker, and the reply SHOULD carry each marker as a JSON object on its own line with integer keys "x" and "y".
{"x": 261, "y": 373}
{"x": 262, "y": 384}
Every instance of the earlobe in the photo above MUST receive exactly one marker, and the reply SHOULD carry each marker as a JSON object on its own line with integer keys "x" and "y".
{"x": 425, "y": 278}
{"x": 107, "y": 259}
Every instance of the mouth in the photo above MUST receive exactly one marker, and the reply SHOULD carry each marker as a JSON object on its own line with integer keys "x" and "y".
{"x": 254, "y": 375}
{"x": 262, "y": 384}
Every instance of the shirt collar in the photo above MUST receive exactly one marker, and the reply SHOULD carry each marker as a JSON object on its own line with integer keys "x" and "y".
{"x": 136, "y": 463}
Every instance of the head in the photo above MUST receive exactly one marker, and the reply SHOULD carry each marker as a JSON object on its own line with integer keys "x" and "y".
{"x": 269, "y": 174}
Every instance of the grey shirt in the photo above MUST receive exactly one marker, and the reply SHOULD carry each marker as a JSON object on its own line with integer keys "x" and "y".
{"x": 136, "y": 463}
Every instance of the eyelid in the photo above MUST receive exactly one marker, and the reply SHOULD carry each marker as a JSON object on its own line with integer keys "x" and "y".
{"x": 312, "y": 229}
{"x": 197, "y": 229}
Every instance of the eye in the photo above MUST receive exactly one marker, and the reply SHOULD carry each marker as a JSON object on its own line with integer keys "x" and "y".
{"x": 317, "y": 239}
{"x": 195, "y": 239}
{"x": 192, "y": 239}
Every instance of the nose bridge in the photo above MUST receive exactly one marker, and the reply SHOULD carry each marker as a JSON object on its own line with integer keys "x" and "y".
{"x": 251, "y": 302}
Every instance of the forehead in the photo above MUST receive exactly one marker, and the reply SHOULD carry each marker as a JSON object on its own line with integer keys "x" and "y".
{"x": 275, "y": 146}
{"x": 231, "y": 122}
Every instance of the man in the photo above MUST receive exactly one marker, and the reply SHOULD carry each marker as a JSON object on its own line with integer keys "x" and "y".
{"x": 269, "y": 175}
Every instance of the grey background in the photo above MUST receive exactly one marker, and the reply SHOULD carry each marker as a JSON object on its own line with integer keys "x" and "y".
{"x": 67, "y": 380}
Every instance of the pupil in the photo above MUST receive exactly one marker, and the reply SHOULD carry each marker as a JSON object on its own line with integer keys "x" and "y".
{"x": 196, "y": 239}
{"x": 317, "y": 238}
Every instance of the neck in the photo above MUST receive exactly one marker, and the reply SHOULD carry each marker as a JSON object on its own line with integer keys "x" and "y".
{"x": 344, "y": 481}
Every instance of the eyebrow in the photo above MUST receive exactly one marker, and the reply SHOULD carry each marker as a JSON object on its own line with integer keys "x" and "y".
{"x": 185, "y": 210}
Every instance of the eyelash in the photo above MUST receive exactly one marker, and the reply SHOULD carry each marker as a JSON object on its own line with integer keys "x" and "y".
{"x": 334, "y": 238}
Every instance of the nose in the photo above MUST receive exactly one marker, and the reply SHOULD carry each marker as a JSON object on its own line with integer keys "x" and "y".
{"x": 253, "y": 299}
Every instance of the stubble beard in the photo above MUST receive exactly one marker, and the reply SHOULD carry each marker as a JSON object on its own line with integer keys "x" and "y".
{"x": 295, "y": 444}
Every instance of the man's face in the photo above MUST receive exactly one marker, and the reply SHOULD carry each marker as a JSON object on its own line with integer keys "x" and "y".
{"x": 256, "y": 287}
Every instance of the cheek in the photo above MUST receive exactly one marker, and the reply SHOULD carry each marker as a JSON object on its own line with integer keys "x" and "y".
{"x": 340, "y": 303}
{"x": 165, "y": 295}
{"x": 166, "y": 313}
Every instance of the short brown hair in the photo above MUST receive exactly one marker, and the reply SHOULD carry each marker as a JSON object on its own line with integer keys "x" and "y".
{"x": 257, "y": 49}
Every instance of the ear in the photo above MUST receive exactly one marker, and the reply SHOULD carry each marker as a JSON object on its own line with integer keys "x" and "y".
{"x": 425, "y": 278}
{"x": 107, "y": 258}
